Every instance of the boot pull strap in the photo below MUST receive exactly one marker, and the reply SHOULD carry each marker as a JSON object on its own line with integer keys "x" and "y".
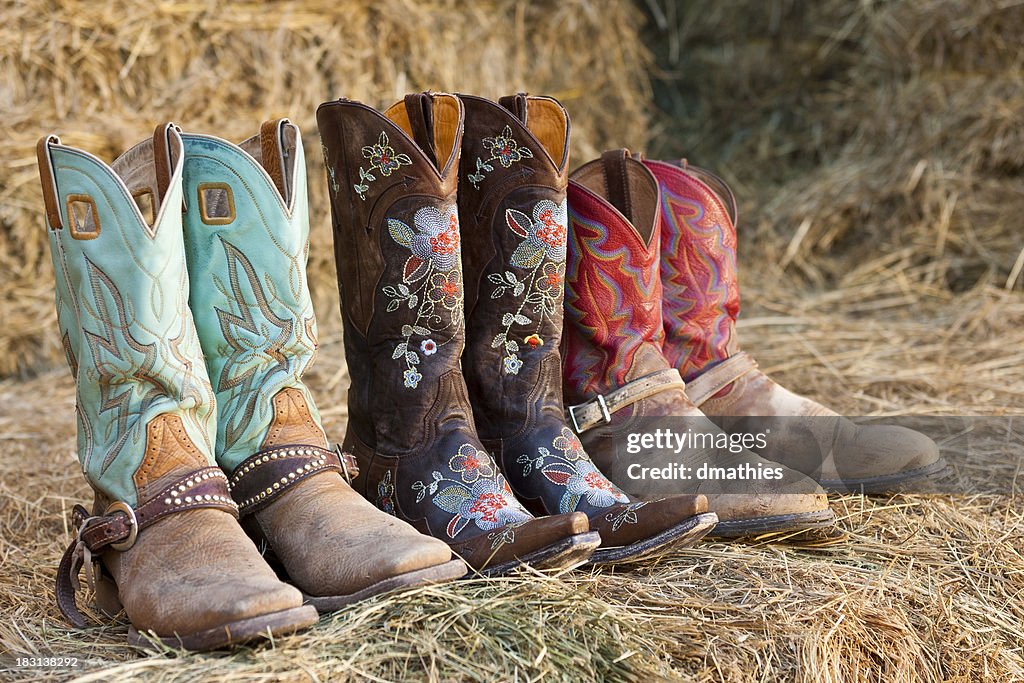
{"x": 419, "y": 107}
{"x": 616, "y": 180}
{"x": 517, "y": 104}
{"x": 49, "y": 180}
{"x": 272, "y": 153}
{"x": 163, "y": 161}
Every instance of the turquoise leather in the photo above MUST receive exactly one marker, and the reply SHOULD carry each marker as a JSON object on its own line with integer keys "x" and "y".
{"x": 122, "y": 308}
{"x": 249, "y": 293}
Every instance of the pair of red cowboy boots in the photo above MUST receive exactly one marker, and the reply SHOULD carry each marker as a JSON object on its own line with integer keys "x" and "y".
{"x": 450, "y": 223}
{"x": 652, "y": 299}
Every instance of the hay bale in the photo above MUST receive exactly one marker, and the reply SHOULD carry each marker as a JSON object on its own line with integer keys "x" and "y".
{"x": 103, "y": 74}
{"x": 857, "y": 130}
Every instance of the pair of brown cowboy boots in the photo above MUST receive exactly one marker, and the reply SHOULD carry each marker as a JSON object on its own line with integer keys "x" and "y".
{"x": 450, "y": 224}
{"x": 187, "y": 324}
{"x": 652, "y": 299}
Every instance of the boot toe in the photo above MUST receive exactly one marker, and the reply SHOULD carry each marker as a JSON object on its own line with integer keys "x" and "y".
{"x": 631, "y": 523}
{"x": 531, "y": 542}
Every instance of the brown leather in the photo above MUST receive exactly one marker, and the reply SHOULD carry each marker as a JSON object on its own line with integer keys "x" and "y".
{"x": 261, "y": 478}
{"x": 169, "y": 452}
{"x": 293, "y": 422}
{"x": 119, "y": 527}
{"x": 606, "y": 352}
{"x": 46, "y": 178}
{"x": 512, "y": 206}
{"x": 270, "y": 153}
{"x": 159, "y": 578}
{"x": 162, "y": 161}
{"x": 393, "y": 179}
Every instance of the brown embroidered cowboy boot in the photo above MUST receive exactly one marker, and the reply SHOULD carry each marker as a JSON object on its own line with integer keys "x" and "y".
{"x": 701, "y": 304}
{"x": 393, "y": 180}
{"x": 162, "y": 543}
{"x": 513, "y": 211}
{"x": 615, "y": 376}
{"x": 246, "y": 242}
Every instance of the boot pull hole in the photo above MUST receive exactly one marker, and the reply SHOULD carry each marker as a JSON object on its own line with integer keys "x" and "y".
{"x": 144, "y": 200}
{"x": 216, "y": 203}
{"x": 85, "y": 222}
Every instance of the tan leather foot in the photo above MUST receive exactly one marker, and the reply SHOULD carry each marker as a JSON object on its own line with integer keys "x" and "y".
{"x": 195, "y": 571}
{"x": 332, "y": 541}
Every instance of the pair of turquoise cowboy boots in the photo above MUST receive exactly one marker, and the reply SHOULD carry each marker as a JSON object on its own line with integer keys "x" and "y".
{"x": 187, "y": 323}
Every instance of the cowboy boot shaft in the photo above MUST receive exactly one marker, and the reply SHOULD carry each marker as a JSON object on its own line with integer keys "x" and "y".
{"x": 398, "y": 254}
{"x": 613, "y": 325}
{"x": 698, "y": 270}
{"x": 701, "y": 306}
{"x": 122, "y": 300}
{"x": 393, "y": 180}
{"x": 614, "y": 361}
{"x": 512, "y": 205}
{"x": 247, "y": 240}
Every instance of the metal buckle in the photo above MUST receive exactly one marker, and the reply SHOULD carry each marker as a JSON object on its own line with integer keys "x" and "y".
{"x": 133, "y": 523}
{"x": 343, "y": 458}
{"x": 572, "y": 418}
{"x": 604, "y": 412}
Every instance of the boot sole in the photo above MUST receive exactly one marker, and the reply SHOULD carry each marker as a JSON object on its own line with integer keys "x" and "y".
{"x": 774, "y": 524}
{"x": 443, "y": 573}
{"x": 889, "y": 483}
{"x": 266, "y": 626}
{"x": 682, "y": 535}
{"x": 568, "y": 552}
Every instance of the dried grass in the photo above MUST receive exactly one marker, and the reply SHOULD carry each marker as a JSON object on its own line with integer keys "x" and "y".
{"x": 916, "y": 319}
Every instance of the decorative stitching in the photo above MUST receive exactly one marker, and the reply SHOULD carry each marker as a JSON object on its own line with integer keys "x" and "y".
{"x": 503, "y": 149}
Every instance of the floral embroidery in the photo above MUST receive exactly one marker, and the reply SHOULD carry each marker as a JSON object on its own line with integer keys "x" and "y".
{"x": 480, "y": 495}
{"x": 573, "y": 470}
{"x": 386, "y": 494}
{"x": 382, "y": 158}
{"x": 330, "y": 171}
{"x": 624, "y": 515}
{"x": 431, "y": 284}
{"x": 542, "y": 252}
{"x": 503, "y": 149}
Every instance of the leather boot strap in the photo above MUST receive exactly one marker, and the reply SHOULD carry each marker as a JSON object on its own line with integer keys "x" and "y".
{"x": 119, "y": 526}
{"x": 599, "y": 410}
{"x": 718, "y": 377}
{"x": 258, "y": 480}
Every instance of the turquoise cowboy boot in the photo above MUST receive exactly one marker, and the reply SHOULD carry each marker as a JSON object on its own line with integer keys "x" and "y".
{"x": 247, "y": 238}
{"x": 162, "y": 543}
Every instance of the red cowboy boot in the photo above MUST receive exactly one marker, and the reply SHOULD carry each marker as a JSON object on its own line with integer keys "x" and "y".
{"x": 513, "y": 210}
{"x": 393, "y": 179}
{"x": 614, "y": 372}
{"x": 701, "y": 304}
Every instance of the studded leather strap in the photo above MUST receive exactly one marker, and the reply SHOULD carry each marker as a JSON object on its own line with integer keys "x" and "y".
{"x": 592, "y": 413}
{"x": 258, "y": 480}
{"x": 718, "y": 377}
{"x": 119, "y": 526}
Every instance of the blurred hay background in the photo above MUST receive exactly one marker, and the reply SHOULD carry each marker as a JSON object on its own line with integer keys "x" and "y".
{"x": 875, "y": 148}
{"x": 103, "y": 74}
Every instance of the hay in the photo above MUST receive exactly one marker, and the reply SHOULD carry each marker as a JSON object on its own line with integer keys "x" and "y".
{"x": 103, "y": 74}
{"x": 859, "y": 128}
{"x": 922, "y": 588}
{"x": 786, "y": 99}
